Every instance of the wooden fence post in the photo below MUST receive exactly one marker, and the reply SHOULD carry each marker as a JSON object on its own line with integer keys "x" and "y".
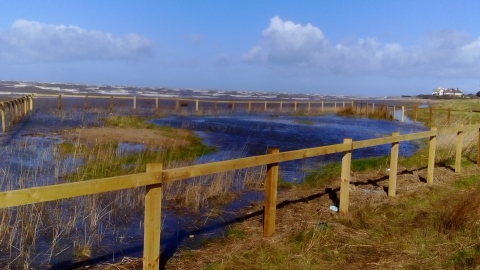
{"x": 134, "y": 103}
{"x": 233, "y": 106}
{"x": 430, "y": 115}
{"x": 343, "y": 106}
{"x": 458, "y": 152}
{"x": 308, "y": 110}
{"x": 403, "y": 113}
{"x": 448, "y": 117}
{"x": 373, "y": 108}
{"x": 17, "y": 110}
{"x": 392, "y": 181}
{"x": 152, "y": 221}
{"x": 31, "y": 102}
{"x": 59, "y": 105}
{"x": 335, "y": 107}
{"x": 322, "y": 106}
{"x": 295, "y": 107}
{"x": 21, "y": 106}
{"x": 431, "y": 156}
{"x": 9, "y": 117}
{"x": 345, "y": 178}
{"x": 265, "y": 105}
{"x": 156, "y": 104}
{"x": 85, "y": 103}
{"x": 281, "y": 106}
{"x": 196, "y": 105}
{"x": 270, "y": 196}
{"x": 24, "y": 105}
{"x": 366, "y": 109}
{"x": 2, "y": 107}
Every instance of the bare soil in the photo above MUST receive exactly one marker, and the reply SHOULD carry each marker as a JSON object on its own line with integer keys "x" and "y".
{"x": 149, "y": 137}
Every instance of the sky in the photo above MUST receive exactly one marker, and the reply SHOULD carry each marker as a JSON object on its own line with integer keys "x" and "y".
{"x": 369, "y": 48}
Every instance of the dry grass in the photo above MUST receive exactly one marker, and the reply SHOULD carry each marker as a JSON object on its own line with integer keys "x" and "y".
{"x": 412, "y": 231}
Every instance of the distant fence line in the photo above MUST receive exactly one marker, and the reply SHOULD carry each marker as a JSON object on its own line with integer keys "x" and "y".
{"x": 279, "y": 106}
{"x": 380, "y": 109}
{"x": 13, "y": 110}
{"x": 155, "y": 176}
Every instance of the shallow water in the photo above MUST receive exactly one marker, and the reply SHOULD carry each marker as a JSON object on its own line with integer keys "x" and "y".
{"x": 242, "y": 136}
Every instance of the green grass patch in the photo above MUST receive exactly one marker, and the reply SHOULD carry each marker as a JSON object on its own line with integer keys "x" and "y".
{"x": 236, "y": 233}
{"x": 304, "y": 122}
{"x": 468, "y": 258}
{"x": 133, "y": 122}
{"x": 467, "y": 182}
{"x": 326, "y": 173}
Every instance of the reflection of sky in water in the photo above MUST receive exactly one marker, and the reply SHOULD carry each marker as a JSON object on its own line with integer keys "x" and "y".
{"x": 240, "y": 136}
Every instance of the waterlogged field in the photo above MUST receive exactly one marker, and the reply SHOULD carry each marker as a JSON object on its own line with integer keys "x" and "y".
{"x": 109, "y": 226}
{"x": 237, "y": 136}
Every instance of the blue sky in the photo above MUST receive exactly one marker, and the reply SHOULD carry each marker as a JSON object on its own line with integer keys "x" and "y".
{"x": 374, "y": 48}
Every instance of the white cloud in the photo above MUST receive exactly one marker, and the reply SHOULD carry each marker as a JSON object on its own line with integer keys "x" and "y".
{"x": 255, "y": 55}
{"x": 35, "y": 41}
{"x": 447, "y": 53}
{"x": 290, "y": 43}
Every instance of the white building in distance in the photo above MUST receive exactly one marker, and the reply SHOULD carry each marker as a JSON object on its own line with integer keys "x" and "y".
{"x": 447, "y": 92}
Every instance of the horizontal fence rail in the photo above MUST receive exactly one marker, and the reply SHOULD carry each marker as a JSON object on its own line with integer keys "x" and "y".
{"x": 154, "y": 176}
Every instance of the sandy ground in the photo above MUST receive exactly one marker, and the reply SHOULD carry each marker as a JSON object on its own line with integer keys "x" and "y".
{"x": 149, "y": 137}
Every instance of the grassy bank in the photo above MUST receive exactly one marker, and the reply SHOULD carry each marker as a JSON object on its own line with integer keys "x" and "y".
{"x": 431, "y": 228}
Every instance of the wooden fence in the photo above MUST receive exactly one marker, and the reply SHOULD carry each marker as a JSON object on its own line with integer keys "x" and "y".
{"x": 155, "y": 176}
{"x": 247, "y": 105}
{"x": 13, "y": 109}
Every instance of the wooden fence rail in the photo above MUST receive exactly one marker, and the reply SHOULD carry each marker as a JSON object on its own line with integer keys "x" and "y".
{"x": 178, "y": 101}
{"x": 155, "y": 176}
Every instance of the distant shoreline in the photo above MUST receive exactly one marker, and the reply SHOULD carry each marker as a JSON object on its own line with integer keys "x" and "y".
{"x": 13, "y": 88}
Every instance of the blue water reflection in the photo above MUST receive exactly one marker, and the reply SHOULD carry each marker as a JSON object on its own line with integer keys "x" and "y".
{"x": 241, "y": 136}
